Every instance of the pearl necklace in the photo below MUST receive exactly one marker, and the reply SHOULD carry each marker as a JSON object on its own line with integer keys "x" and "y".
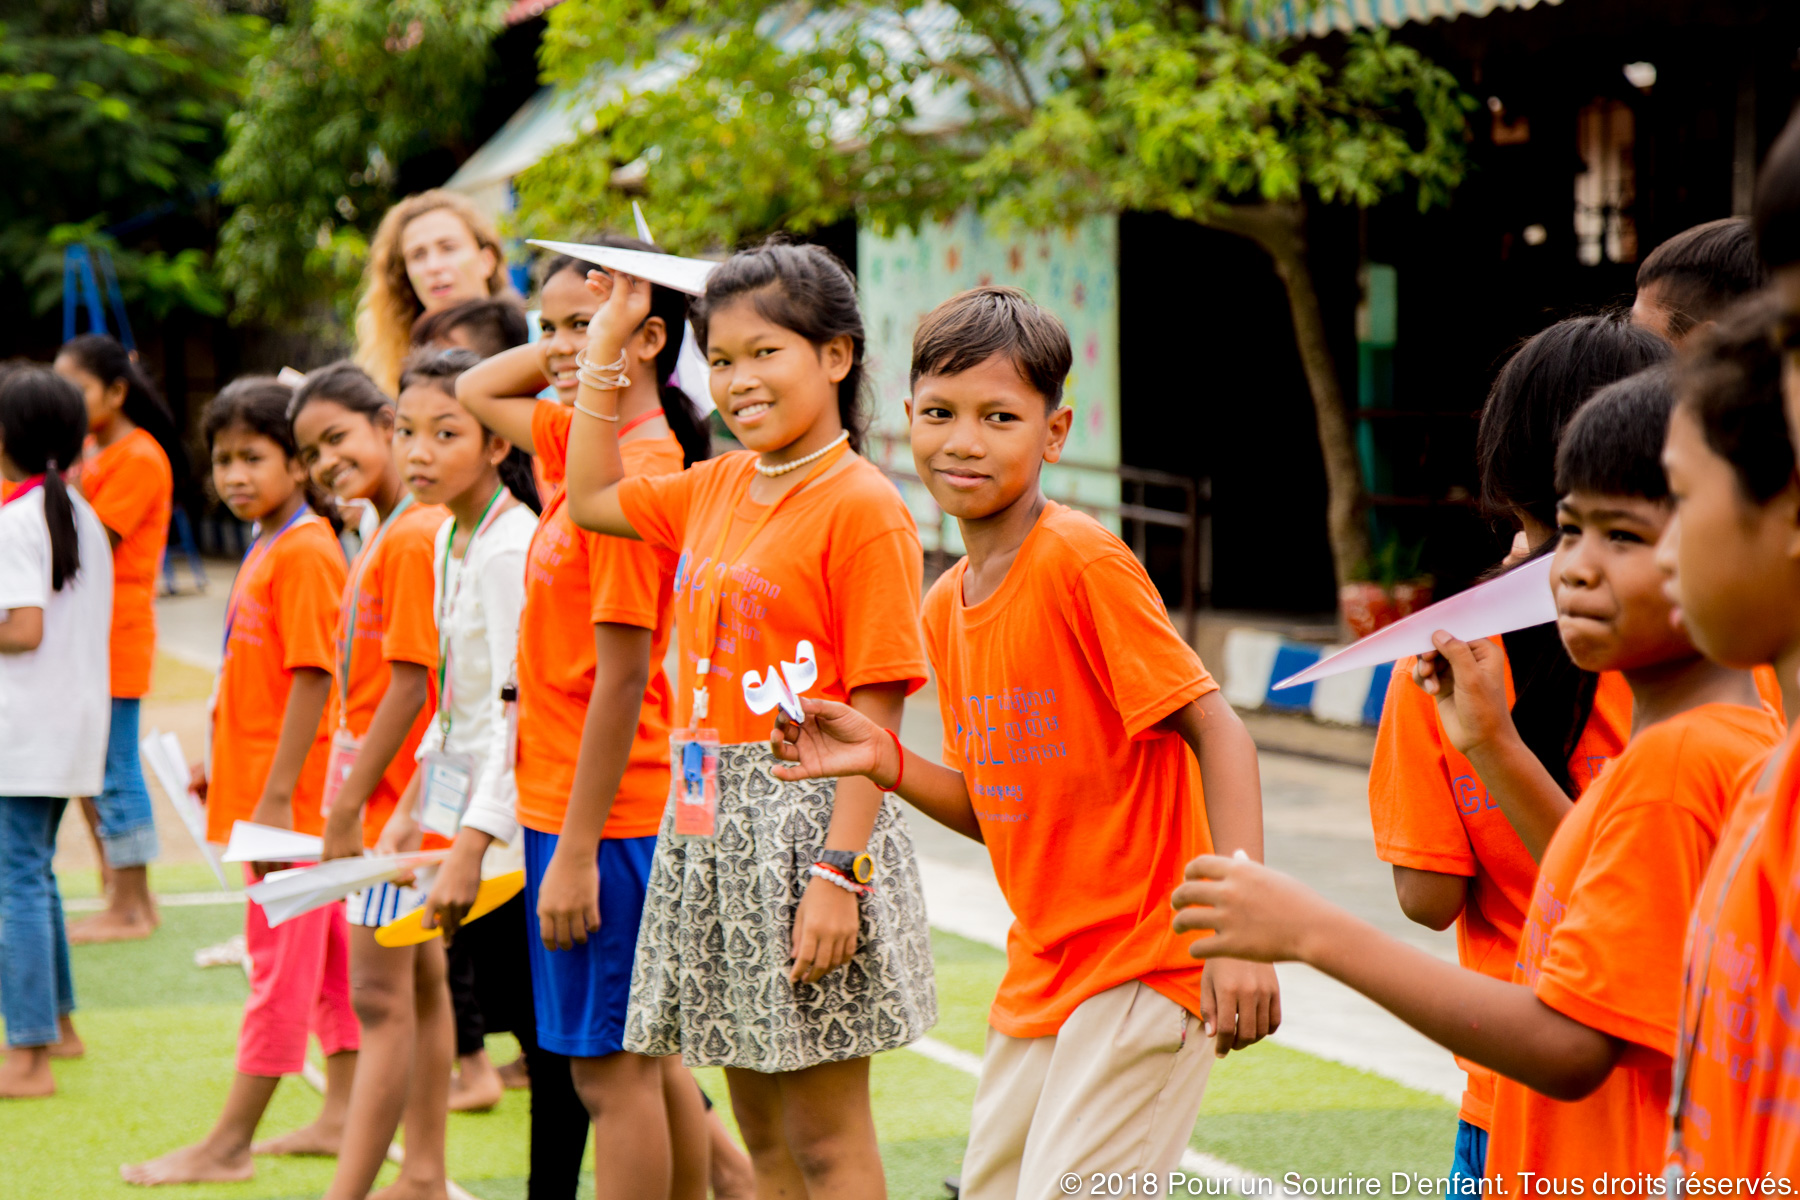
{"x": 796, "y": 464}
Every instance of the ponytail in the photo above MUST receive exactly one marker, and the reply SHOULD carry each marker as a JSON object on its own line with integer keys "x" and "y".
{"x": 43, "y": 423}
{"x": 515, "y": 473}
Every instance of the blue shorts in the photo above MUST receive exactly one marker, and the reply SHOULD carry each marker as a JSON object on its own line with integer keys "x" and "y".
{"x": 580, "y": 995}
{"x": 1471, "y": 1152}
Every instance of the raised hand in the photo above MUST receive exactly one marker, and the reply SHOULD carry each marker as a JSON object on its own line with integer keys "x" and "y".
{"x": 624, "y": 306}
{"x": 1468, "y": 679}
{"x": 1255, "y": 913}
{"x": 835, "y": 741}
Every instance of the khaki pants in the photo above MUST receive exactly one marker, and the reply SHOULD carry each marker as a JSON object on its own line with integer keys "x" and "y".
{"x": 1116, "y": 1089}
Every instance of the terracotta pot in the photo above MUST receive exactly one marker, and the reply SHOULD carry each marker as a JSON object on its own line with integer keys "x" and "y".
{"x": 1409, "y": 598}
{"x": 1366, "y": 607}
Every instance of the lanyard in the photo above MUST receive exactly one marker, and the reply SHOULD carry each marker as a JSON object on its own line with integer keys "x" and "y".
{"x": 447, "y": 605}
{"x": 632, "y": 424}
{"x": 25, "y": 488}
{"x": 1691, "y": 1004}
{"x": 708, "y": 628}
{"x": 351, "y": 594}
{"x": 258, "y": 548}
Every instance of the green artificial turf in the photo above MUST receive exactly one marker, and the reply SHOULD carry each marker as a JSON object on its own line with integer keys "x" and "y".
{"x": 161, "y": 1035}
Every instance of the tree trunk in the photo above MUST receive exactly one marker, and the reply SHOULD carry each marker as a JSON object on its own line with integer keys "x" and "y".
{"x": 1280, "y": 229}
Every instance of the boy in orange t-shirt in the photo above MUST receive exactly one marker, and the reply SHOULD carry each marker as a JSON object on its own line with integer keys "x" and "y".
{"x": 1079, "y": 731}
{"x": 1582, "y": 1036}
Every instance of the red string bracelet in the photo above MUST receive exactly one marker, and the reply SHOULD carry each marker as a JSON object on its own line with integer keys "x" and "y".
{"x": 901, "y": 751}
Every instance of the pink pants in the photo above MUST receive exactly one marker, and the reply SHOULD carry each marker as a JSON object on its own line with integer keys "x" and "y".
{"x": 299, "y": 982}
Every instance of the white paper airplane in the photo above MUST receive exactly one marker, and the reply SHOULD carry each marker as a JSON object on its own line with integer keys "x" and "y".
{"x": 667, "y": 270}
{"x": 1518, "y": 599}
{"x": 251, "y": 842}
{"x": 643, "y": 226}
{"x": 285, "y": 895}
{"x": 163, "y": 754}
{"x": 771, "y": 690}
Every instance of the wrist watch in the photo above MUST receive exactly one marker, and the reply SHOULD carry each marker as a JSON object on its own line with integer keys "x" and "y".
{"x": 856, "y": 865}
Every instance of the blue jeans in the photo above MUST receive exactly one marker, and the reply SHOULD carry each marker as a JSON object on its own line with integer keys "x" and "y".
{"x": 1471, "y": 1152}
{"x": 127, "y": 822}
{"x": 35, "y": 985}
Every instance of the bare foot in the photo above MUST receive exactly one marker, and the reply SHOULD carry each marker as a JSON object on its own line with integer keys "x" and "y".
{"x": 314, "y": 1139}
{"x": 199, "y": 1163}
{"x": 112, "y": 927}
{"x": 475, "y": 1090}
{"x": 71, "y": 1045}
{"x": 25, "y": 1073}
{"x": 515, "y": 1075}
{"x": 411, "y": 1189}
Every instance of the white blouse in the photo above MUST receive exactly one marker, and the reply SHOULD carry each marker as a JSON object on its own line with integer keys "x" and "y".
{"x": 479, "y": 597}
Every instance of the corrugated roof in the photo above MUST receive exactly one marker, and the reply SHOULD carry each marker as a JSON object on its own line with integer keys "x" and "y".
{"x": 1343, "y": 16}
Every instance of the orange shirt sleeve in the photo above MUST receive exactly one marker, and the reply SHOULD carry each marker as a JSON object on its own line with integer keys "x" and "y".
{"x": 875, "y": 612}
{"x": 408, "y": 592}
{"x": 657, "y": 505}
{"x": 1145, "y": 667}
{"x": 1411, "y": 787}
{"x": 132, "y": 491}
{"x": 625, "y": 581}
{"x": 1613, "y": 963}
{"x": 308, "y": 587}
{"x": 550, "y": 424}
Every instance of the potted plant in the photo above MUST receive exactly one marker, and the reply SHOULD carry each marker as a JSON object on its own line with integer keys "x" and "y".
{"x": 1385, "y": 587}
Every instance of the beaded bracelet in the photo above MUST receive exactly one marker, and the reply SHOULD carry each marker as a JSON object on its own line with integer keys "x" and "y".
{"x": 821, "y": 871}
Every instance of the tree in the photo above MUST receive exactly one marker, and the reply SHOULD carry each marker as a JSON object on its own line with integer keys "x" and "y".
{"x": 342, "y": 95}
{"x": 111, "y": 109}
{"x": 1039, "y": 111}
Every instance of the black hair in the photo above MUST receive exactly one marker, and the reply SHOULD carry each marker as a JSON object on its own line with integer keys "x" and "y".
{"x": 43, "y": 423}
{"x": 1731, "y": 382}
{"x": 346, "y": 384}
{"x": 679, "y": 409}
{"x": 1536, "y": 393}
{"x": 439, "y": 369}
{"x": 495, "y": 323}
{"x": 1704, "y": 271}
{"x": 972, "y": 327}
{"x": 802, "y": 287}
{"x": 107, "y": 360}
{"x": 1775, "y": 211}
{"x": 259, "y": 405}
{"x": 1613, "y": 444}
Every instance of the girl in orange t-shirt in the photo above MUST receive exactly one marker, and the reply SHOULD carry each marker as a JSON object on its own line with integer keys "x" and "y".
{"x": 593, "y": 768}
{"x": 1582, "y": 1037}
{"x": 799, "y": 564}
{"x": 268, "y": 764}
{"x": 127, "y": 474}
{"x": 386, "y": 650}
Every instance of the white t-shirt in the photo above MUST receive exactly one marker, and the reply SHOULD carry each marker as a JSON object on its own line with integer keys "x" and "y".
{"x": 478, "y": 600}
{"x": 55, "y": 701}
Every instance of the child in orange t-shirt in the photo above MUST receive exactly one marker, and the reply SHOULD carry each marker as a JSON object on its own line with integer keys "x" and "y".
{"x": 386, "y": 650}
{"x": 1437, "y": 817}
{"x": 127, "y": 476}
{"x": 1091, "y": 752}
{"x": 796, "y": 551}
{"x": 268, "y": 763}
{"x": 1583, "y": 1035}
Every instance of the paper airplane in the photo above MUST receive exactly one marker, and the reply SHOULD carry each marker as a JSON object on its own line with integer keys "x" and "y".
{"x": 667, "y": 270}
{"x": 770, "y": 690}
{"x": 251, "y": 842}
{"x": 285, "y": 895}
{"x": 643, "y": 226}
{"x": 163, "y": 754}
{"x": 693, "y": 375}
{"x": 1518, "y": 599}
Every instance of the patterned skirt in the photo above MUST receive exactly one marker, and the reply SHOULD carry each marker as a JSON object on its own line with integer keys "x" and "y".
{"x": 711, "y": 978}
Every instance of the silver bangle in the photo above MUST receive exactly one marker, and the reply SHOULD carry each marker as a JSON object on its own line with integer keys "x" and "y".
{"x": 612, "y": 377}
{"x": 585, "y": 411}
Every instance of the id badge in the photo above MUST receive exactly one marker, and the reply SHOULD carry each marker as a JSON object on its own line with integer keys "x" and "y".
{"x": 694, "y": 781}
{"x": 446, "y": 781}
{"x": 345, "y": 746}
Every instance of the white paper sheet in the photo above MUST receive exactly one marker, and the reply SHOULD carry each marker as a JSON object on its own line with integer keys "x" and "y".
{"x": 765, "y": 692}
{"x": 1518, "y": 599}
{"x": 162, "y": 753}
{"x": 285, "y": 895}
{"x": 669, "y": 270}
{"x": 251, "y": 842}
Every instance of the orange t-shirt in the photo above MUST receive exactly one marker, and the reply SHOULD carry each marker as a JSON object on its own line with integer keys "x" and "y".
{"x": 283, "y": 610}
{"x": 1431, "y": 812}
{"x": 838, "y": 565}
{"x": 1604, "y": 938}
{"x": 391, "y": 614}
{"x": 1051, "y": 690}
{"x": 131, "y": 488}
{"x": 575, "y": 580}
{"x": 1731, "y": 937}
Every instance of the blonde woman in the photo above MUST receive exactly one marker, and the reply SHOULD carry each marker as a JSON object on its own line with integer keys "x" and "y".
{"x": 431, "y": 251}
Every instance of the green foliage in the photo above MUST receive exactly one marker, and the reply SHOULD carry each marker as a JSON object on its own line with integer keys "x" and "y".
{"x": 342, "y": 91}
{"x": 1038, "y": 112}
{"x": 109, "y": 109}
